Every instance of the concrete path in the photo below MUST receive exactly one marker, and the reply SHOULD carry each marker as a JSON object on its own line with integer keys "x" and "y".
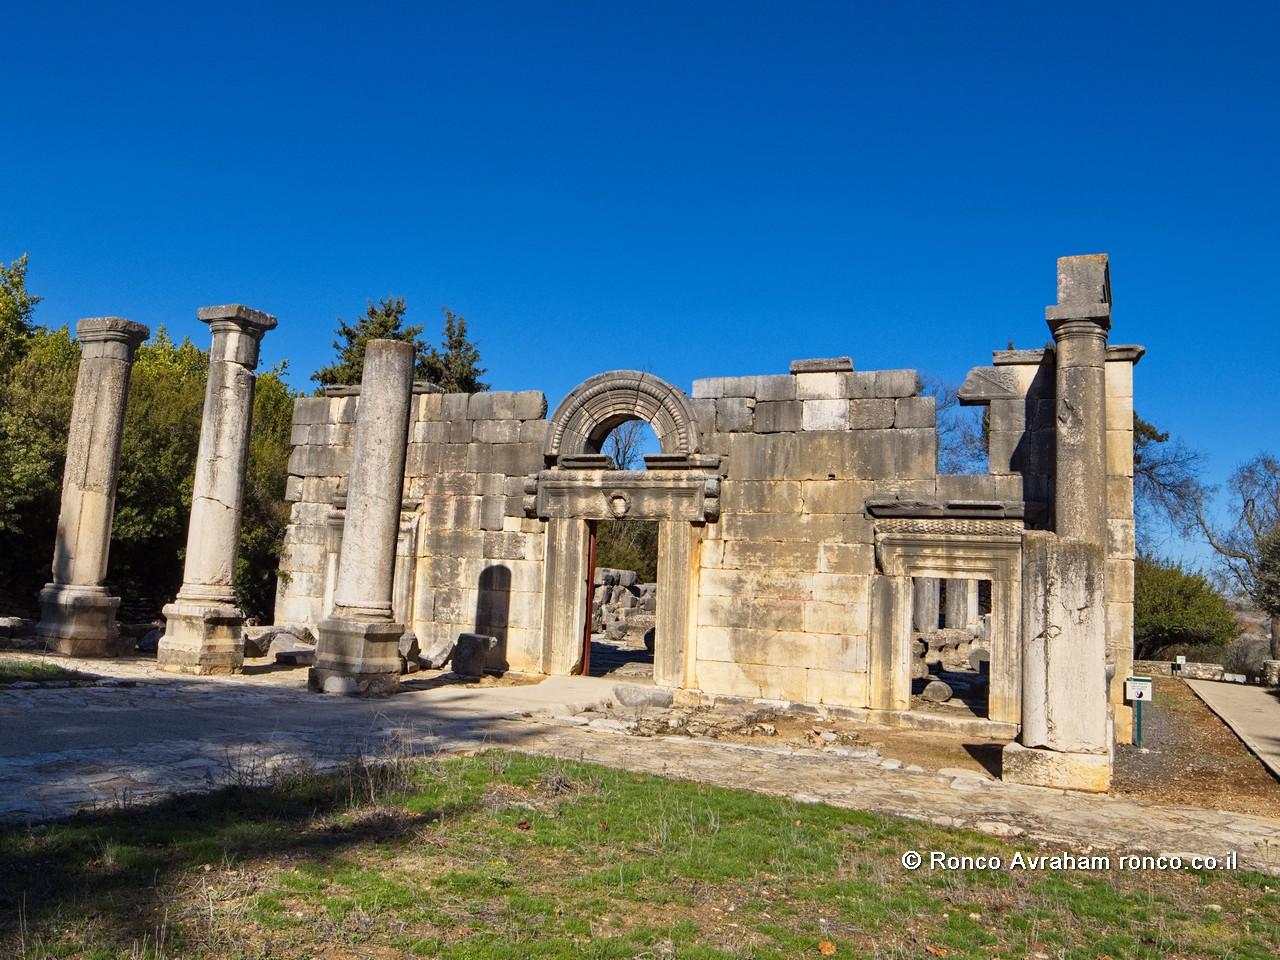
{"x": 1253, "y": 713}
{"x": 67, "y": 749}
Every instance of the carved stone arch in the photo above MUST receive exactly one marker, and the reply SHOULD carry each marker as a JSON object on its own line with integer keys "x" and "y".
{"x": 595, "y": 407}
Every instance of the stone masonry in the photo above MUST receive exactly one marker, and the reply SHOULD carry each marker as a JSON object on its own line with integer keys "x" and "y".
{"x": 797, "y": 513}
{"x": 77, "y": 615}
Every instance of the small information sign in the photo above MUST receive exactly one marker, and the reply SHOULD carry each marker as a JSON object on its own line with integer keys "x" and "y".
{"x": 1137, "y": 689}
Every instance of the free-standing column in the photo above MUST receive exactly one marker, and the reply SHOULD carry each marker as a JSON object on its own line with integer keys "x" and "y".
{"x": 962, "y": 604}
{"x": 77, "y": 616}
{"x": 1065, "y": 738}
{"x": 1080, "y": 322}
{"x": 357, "y": 650}
{"x": 203, "y": 625}
{"x": 925, "y": 600}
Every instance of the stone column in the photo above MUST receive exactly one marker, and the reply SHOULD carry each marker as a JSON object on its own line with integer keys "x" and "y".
{"x": 925, "y": 600}
{"x": 357, "y": 651}
{"x": 962, "y": 604}
{"x": 1065, "y": 737}
{"x": 203, "y": 626}
{"x": 1080, "y": 322}
{"x": 77, "y": 617}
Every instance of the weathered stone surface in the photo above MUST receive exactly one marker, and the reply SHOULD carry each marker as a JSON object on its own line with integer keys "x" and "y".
{"x": 194, "y": 642}
{"x": 471, "y": 654}
{"x": 1087, "y": 772}
{"x": 77, "y": 616}
{"x": 782, "y": 416}
{"x": 937, "y": 691}
{"x": 828, "y": 365}
{"x": 359, "y": 639}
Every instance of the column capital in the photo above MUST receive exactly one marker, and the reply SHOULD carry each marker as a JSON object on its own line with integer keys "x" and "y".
{"x": 251, "y": 321}
{"x": 117, "y": 329}
{"x": 1084, "y": 297}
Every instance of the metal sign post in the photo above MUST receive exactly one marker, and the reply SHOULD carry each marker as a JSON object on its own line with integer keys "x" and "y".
{"x": 1137, "y": 690}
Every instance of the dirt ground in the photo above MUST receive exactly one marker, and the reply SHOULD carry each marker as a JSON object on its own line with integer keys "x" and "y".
{"x": 1188, "y": 757}
{"x": 1193, "y": 758}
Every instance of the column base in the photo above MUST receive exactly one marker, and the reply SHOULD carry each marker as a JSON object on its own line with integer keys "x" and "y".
{"x": 201, "y": 638}
{"x": 1038, "y": 767}
{"x": 357, "y": 657}
{"x": 80, "y": 621}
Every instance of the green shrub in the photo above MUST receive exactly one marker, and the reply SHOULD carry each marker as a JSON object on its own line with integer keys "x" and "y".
{"x": 1177, "y": 606}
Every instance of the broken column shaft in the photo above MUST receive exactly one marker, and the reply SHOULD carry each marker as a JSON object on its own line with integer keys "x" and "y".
{"x": 203, "y": 625}
{"x": 77, "y": 616}
{"x": 357, "y": 647}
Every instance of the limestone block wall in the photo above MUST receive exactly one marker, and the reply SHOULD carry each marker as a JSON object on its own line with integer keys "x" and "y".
{"x": 785, "y": 573}
{"x": 1121, "y": 543}
{"x": 473, "y": 562}
{"x": 480, "y": 560}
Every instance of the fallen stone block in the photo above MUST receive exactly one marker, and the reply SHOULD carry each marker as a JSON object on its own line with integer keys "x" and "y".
{"x": 938, "y": 691}
{"x": 471, "y": 654}
{"x": 636, "y": 695}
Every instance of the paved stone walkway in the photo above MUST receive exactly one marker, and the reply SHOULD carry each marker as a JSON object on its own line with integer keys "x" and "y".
{"x": 1253, "y": 713}
{"x": 67, "y": 749}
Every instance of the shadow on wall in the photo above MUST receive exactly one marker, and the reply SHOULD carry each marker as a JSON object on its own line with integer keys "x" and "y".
{"x": 493, "y": 608}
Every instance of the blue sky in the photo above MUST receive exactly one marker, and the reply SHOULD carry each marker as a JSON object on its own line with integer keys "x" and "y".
{"x": 693, "y": 189}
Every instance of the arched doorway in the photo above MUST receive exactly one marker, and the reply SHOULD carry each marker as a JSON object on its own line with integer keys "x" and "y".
{"x": 581, "y": 485}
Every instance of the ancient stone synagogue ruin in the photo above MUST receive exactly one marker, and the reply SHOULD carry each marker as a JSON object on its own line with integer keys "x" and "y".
{"x": 809, "y": 551}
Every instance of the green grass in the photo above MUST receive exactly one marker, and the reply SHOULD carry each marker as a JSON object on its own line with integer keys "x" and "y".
{"x": 507, "y": 856}
{"x": 25, "y": 668}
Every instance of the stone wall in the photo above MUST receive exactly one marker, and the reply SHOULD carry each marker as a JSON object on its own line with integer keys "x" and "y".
{"x": 784, "y": 588}
{"x": 468, "y": 560}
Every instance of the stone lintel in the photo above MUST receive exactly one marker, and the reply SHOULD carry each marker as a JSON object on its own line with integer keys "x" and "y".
{"x": 1019, "y": 358}
{"x": 823, "y": 365}
{"x": 339, "y": 504}
{"x": 586, "y": 461}
{"x": 353, "y": 389}
{"x": 1013, "y": 358}
{"x": 254, "y": 319}
{"x": 92, "y": 329}
{"x": 692, "y": 496}
{"x": 680, "y": 461}
{"x": 984, "y": 384}
{"x": 995, "y": 509}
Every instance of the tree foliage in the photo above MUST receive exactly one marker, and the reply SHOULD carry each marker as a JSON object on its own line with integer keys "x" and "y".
{"x": 383, "y": 320}
{"x": 1175, "y": 606}
{"x": 628, "y": 544}
{"x": 456, "y": 365}
{"x": 1265, "y": 591}
{"x": 16, "y": 307}
{"x": 1165, "y": 481}
{"x": 157, "y": 463}
{"x": 962, "y": 431}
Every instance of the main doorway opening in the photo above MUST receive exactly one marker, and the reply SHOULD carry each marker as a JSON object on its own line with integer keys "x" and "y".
{"x": 951, "y": 639}
{"x": 622, "y": 611}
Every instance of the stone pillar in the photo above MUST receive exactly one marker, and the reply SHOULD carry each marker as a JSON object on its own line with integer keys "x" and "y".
{"x": 961, "y": 611}
{"x": 1080, "y": 322}
{"x": 203, "y": 626}
{"x": 1065, "y": 738}
{"x": 926, "y": 598}
{"x": 357, "y": 650}
{"x": 77, "y": 617}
